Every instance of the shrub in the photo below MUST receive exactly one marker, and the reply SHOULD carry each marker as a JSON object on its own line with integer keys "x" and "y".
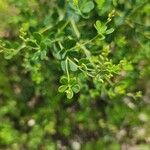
{"x": 74, "y": 74}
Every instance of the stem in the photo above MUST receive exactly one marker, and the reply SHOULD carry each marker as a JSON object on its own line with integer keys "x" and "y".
{"x": 87, "y": 73}
{"x": 50, "y": 27}
{"x": 74, "y": 26}
{"x": 67, "y": 71}
{"x": 87, "y": 42}
{"x": 109, "y": 81}
{"x": 87, "y": 53}
{"x": 60, "y": 45}
{"x": 45, "y": 29}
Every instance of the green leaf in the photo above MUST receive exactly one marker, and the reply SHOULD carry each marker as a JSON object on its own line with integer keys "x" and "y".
{"x": 43, "y": 55}
{"x": 9, "y": 53}
{"x": 38, "y": 37}
{"x": 69, "y": 93}
{"x": 73, "y": 81}
{"x": 60, "y": 54}
{"x": 87, "y": 7}
{"x": 101, "y": 28}
{"x": 72, "y": 54}
{"x": 109, "y": 31}
{"x": 76, "y": 88}
{"x": 63, "y": 65}
{"x": 57, "y": 55}
{"x": 73, "y": 66}
{"x": 64, "y": 80}
{"x": 31, "y": 43}
{"x": 75, "y": 2}
{"x": 35, "y": 56}
{"x": 62, "y": 88}
{"x": 43, "y": 46}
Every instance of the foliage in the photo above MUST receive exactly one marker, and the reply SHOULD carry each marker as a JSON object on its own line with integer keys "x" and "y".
{"x": 74, "y": 74}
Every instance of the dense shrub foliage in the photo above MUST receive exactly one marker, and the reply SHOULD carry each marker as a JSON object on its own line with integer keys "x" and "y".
{"x": 74, "y": 74}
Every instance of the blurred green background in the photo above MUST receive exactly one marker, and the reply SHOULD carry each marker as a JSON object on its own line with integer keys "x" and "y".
{"x": 34, "y": 116}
